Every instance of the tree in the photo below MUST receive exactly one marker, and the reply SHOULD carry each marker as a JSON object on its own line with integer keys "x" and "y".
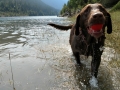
{"x": 74, "y": 5}
{"x": 109, "y": 3}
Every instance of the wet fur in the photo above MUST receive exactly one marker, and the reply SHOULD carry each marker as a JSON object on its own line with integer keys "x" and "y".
{"x": 79, "y": 29}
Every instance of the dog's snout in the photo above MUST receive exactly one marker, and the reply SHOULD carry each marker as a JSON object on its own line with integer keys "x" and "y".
{"x": 97, "y": 15}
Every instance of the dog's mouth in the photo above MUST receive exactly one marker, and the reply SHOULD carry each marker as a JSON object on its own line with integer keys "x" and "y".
{"x": 95, "y": 30}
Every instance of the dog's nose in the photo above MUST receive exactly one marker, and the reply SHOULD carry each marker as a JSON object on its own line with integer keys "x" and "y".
{"x": 97, "y": 15}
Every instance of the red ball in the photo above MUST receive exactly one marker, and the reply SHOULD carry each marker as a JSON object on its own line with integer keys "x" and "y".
{"x": 97, "y": 27}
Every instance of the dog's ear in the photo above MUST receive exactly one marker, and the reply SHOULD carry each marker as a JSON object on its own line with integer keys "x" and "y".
{"x": 77, "y": 25}
{"x": 109, "y": 24}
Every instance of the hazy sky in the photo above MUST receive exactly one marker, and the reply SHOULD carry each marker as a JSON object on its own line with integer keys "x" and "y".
{"x": 58, "y": 4}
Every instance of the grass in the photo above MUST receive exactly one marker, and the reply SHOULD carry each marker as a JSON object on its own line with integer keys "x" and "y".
{"x": 113, "y": 40}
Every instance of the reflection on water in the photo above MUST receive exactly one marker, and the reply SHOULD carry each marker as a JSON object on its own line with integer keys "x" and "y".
{"x": 42, "y": 59}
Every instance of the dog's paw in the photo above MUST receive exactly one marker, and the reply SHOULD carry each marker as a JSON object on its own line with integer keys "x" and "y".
{"x": 93, "y": 82}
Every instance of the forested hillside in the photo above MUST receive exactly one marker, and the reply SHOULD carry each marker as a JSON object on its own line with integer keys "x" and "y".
{"x": 74, "y": 6}
{"x": 25, "y": 7}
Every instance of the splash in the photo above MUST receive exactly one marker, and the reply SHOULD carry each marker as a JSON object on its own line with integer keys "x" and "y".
{"x": 93, "y": 82}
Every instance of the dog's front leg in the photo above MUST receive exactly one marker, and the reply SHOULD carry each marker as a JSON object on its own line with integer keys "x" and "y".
{"x": 77, "y": 57}
{"x": 96, "y": 59}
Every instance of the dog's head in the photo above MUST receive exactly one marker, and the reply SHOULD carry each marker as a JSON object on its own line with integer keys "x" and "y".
{"x": 94, "y": 18}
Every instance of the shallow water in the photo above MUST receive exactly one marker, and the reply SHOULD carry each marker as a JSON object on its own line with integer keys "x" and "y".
{"x": 41, "y": 58}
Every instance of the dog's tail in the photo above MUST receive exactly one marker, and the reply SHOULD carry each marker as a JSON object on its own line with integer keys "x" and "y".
{"x": 64, "y": 28}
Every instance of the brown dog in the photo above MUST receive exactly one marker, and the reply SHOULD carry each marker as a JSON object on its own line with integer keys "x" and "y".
{"x": 88, "y": 34}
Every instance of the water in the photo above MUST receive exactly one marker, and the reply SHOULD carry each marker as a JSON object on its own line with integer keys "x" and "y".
{"x": 41, "y": 58}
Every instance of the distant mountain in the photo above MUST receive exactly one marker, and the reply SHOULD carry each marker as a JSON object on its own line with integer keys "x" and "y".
{"x": 58, "y": 4}
{"x": 26, "y": 7}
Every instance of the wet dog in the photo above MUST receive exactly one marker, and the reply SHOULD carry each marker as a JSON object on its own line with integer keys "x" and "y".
{"x": 87, "y": 35}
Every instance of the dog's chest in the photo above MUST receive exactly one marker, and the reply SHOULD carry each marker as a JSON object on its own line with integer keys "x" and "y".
{"x": 79, "y": 44}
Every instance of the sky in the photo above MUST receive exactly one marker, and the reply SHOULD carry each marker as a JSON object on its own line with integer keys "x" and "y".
{"x": 58, "y": 4}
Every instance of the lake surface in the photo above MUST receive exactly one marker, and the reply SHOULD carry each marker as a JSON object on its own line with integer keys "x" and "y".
{"x": 35, "y": 56}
